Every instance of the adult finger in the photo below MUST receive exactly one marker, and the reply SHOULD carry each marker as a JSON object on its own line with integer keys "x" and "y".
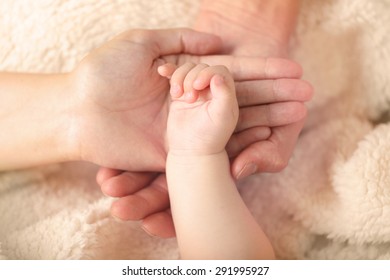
{"x": 245, "y": 68}
{"x": 250, "y": 68}
{"x": 105, "y": 173}
{"x": 269, "y": 91}
{"x": 272, "y": 115}
{"x": 149, "y": 200}
{"x": 125, "y": 183}
{"x": 239, "y": 141}
{"x": 159, "y": 224}
{"x": 271, "y": 155}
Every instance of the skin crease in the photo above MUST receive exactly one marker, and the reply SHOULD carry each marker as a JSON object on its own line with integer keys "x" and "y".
{"x": 265, "y": 147}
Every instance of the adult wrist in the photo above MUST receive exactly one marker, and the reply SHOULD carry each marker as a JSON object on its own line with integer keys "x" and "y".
{"x": 61, "y": 118}
{"x": 36, "y": 117}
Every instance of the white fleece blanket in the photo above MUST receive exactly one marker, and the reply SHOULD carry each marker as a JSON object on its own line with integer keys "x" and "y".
{"x": 331, "y": 202}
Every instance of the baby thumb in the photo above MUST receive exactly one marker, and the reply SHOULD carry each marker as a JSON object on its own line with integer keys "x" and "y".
{"x": 224, "y": 102}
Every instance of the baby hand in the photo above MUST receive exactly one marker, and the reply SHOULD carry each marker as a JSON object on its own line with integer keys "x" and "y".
{"x": 204, "y": 108}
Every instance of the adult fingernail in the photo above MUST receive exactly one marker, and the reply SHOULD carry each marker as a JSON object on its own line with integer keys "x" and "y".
{"x": 248, "y": 170}
{"x": 116, "y": 219}
{"x": 147, "y": 231}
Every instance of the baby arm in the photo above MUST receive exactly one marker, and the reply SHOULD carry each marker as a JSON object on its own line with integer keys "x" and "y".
{"x": 211, "y": 220}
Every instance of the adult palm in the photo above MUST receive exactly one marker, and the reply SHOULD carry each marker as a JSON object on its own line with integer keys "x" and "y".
{"x": 122, "y": 100}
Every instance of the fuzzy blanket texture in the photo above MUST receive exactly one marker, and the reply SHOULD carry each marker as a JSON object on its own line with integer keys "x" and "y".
{"x": 331, "y": 202}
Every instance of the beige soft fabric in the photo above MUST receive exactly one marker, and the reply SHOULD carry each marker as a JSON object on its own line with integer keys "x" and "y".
{"x": 331, "y": 202}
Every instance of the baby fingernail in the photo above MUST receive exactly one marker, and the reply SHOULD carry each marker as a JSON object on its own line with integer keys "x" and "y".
{"x": 175, "y": 90}
{"x": 197, "y": 84}
{"x": 219, "y": 80}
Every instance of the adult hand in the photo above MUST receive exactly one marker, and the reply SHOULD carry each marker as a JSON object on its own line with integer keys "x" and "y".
{"x": 261, "y": 29}
{"x": 122, "y": 100}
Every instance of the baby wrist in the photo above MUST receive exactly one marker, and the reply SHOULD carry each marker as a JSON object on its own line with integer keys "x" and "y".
{"x": 191, "y": 159}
